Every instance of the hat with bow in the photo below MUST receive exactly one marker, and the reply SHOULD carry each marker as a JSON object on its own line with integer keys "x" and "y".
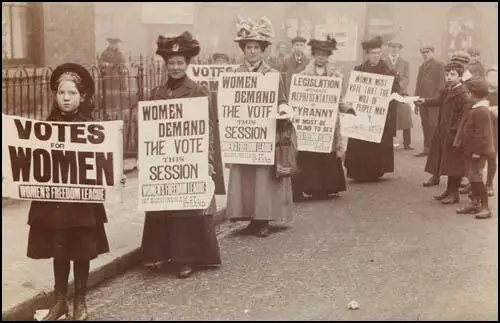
{"x": 328, "y": 45}
{"x": 184, "y": 45}
{"x": 261, "y": 31}
{"x": 373, "y": 43}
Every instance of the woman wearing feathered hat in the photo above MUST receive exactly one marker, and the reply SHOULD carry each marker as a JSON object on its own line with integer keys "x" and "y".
{"x": 254, "y": 192}
{"x": 68, "y": 231}
{"x": 365, "y": 160}
{"x": 321, "y": 174}
{"x": 181, "y": 239}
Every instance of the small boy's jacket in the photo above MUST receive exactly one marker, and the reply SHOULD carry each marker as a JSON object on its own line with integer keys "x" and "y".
{"x": 476, "y": 135}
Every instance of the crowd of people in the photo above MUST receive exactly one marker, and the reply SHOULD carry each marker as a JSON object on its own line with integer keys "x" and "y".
{"x": 459, "y": 119}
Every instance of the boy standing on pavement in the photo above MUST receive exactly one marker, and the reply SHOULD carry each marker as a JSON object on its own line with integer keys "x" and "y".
{"x": 476, "y": 139}
{"x": 492, "y": 79}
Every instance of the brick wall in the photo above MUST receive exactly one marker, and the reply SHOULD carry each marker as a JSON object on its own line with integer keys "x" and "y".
{"x": 68, "y": 33}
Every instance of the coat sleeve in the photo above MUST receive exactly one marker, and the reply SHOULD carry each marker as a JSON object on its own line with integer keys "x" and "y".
{"x": 437, "y": 101}
{"x": 481, "y": 133}
{"x": 405, "y": 76}
{"x": 282, "y": 91}
{"x": 458, "y": 118}
{"x": 201, "y": 91}
{"x": 337, "y": 136}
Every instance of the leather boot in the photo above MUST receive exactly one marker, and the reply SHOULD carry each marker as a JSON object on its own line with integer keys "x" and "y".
{"x": 185, "y": 271}
{"x": 475, "y": 205}
{"x": 60, "y": 308}
{"x": 452, "y": 198}
{"x": 263, "y": 230}
{"x": 442, "y": 196}
{"x": 453, "y": 187}
{"x": 81, "y": 273}
{"x": 433, "y": 181}
{"x": 485, "y": 211}
{"x": 467, "y": 189}
{"x": 80, "y": 303}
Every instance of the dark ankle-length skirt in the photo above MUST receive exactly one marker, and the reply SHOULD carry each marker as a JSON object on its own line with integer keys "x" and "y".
{"x": 79, "y": 243}
{"x": 319, "y": 174}
{"x": 179, "y": 237}
{"x": 368, "y": 161}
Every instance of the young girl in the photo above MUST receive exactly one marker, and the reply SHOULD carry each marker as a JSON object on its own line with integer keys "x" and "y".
{"x": 68, "y": 231}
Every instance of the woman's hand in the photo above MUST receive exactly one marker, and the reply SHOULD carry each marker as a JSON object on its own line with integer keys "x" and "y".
{"x": 211, "y": 170}
{"x": 476, "y": 156}
{"x": 123, "y": 179}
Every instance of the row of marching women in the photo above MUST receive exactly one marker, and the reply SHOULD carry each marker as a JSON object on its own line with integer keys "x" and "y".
{"x": 184, "y": 240}
{"x": 466, "y": 138}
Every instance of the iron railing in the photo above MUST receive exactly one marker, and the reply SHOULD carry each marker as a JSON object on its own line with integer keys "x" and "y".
{"x": 26, "y": 92}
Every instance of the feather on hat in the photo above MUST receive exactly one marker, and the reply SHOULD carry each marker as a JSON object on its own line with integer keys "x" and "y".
{"x": 261, "y": 31}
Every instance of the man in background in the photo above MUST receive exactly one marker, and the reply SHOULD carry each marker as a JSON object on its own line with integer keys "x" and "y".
{"x": 295, "y": 63}
{"x": 430, "y": 81}
{"x": 402, "y": 68}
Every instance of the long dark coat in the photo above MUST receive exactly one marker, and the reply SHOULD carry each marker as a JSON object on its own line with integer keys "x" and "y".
{"x": 365, "y": 160}
{"x": 78, "y": 228}
{"x": 444, "y": 158}
{"x": 289, "y": 67}
{"x": 184, "y": 237}
{"x": 404, "y": 114}
{"x": 321, "y": 173}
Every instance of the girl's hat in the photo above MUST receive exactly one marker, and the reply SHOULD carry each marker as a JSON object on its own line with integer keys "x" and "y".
{"x": 82, "y": 72}
{"x": 262, "y": 31}
{"x": 184, "y": 45}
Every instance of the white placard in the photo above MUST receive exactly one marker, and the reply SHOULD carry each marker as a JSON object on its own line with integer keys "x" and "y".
{"x": 62, "y": 161}
{"x": 370, "y": 95}
{"x": 208, "y": 75}
{"x": 315, "y": 100}
{"x": 173, "y": 155}
{"x": 247, "y": 108}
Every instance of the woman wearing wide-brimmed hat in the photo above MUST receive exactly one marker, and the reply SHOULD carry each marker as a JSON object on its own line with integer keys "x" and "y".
{"x": 68, "y": 231}
{"x": 255, "y": 193}
{"x": 183, "y": 239}
{"x": 321, "y": 174}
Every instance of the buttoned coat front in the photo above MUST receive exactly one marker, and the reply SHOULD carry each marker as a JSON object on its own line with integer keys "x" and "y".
{"x": 404, "y": 113}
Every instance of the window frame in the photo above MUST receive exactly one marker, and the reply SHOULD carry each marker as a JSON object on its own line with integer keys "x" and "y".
{"x": 33, "y": 34}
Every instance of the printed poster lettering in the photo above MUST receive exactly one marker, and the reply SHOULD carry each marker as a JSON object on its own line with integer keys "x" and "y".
{"x": 315, "y": 100}
{"x": 208, "y": 75}
{"x": 370, "y": 95}
{"x": 247, "y": 117}
{"x": 173, "y": 155}
{"x": 62, "y": 161}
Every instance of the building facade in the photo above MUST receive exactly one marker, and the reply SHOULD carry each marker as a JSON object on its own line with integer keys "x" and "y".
{"x": 47, "y": 33}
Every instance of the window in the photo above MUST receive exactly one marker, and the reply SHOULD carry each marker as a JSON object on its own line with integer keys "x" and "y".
{"x": 462, "y": 28}
{"x": 21, "y": 33}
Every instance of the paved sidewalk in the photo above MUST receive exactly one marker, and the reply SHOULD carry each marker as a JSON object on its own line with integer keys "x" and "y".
{"x": 28, "y": 283}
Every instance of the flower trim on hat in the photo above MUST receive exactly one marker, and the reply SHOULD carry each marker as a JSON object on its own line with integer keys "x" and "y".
{"x": 248, "y": 30}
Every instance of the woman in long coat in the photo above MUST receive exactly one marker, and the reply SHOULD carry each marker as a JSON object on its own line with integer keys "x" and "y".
{"x": 254, "y": 192}
{"x": 321, "y": 174}
{"x": 444, "y": 158}
{"x": 365, "y": 160}
{"x": 183, "y": 239}
{"x": 68, "y": 231}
